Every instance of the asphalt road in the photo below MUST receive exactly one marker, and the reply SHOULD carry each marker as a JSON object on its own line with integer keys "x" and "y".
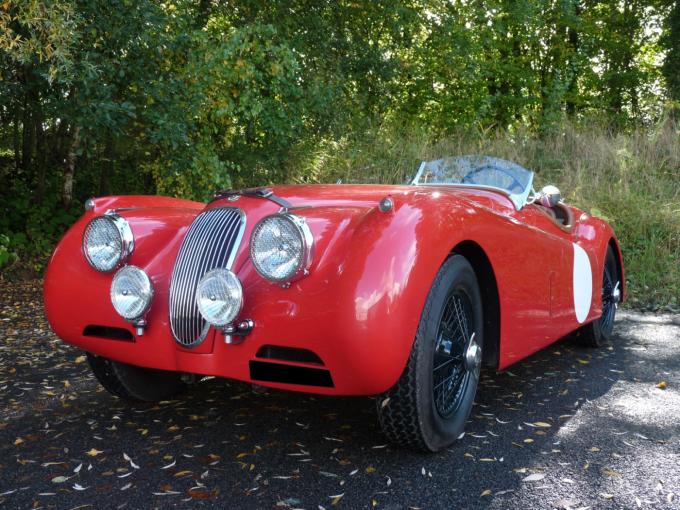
{"x": 566, "y": 428}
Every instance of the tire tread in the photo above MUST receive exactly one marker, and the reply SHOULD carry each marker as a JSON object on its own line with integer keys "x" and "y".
{"x": 104, "y": 370}
{"x": 399, "y": 416}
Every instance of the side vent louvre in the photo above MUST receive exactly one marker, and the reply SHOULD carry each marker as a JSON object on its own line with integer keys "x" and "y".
{"x": 290, "y": 374}
{"x": 109, "y": 332}
{"x": 295, "y": 355}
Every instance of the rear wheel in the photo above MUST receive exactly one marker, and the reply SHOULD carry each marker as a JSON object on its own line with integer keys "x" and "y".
{"x": 596, "y": 333}
{"x": 428, "y": 406}
{"x": 134, "y": 383}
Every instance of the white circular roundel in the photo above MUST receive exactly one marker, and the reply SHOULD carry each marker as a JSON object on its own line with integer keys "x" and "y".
{"x": 583, "y": 283}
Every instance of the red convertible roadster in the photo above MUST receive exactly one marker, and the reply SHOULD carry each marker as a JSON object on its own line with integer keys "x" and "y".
{"x": 397, "y": 291}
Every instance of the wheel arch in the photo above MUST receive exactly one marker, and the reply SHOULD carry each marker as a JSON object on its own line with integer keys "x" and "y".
{"x": 488, "y": 287}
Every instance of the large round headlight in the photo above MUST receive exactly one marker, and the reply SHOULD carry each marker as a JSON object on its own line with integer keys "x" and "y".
{"x": 131, "y": 292}
{"x": 107, "y": 242}
{"x": 281, "y": 247}
{"x": 219, "y": 297}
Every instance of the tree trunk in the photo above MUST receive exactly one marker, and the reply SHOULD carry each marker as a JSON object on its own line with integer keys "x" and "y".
{"x": 17, "y": 141}
{"x": 27, "y": 137}
{"x": 106, "y": 169}
{"x": 40, "y": 156}
{"x": 70, "y": 170}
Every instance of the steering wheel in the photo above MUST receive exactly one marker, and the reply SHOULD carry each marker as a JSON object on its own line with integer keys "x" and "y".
{"x": 469, "y": 178}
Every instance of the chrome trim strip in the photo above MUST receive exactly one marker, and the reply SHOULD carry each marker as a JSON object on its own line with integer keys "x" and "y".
{"x": 421, "y": 168}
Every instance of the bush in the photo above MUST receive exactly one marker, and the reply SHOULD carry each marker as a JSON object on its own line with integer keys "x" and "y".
{"x": 7, "y": 257}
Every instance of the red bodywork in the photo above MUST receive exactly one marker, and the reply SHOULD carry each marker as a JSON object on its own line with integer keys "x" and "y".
{"x": 359, "y": 307}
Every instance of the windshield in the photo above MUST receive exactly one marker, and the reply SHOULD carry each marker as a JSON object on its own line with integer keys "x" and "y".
{"x": 479, "y": 172}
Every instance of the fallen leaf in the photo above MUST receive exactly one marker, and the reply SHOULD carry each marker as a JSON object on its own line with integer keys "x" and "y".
{"x": 534, "y": 477}
{"x": 336, "y": 499}
{"x": 487, "y": 492}
{"x": 80, "y": 359}
{"x": 94, "y": 452}
{"x": 662, "y": 385}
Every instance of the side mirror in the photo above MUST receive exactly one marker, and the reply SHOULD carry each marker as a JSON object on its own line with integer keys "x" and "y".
{"x": 549, "y": 196}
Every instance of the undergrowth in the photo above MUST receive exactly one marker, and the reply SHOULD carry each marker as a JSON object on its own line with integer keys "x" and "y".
{"x": 630, "y": 179}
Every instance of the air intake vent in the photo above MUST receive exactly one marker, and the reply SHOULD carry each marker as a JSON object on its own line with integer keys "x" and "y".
{"x": 211, "y": 242}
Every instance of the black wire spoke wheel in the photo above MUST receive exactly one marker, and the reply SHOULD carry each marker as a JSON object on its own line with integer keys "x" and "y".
{"x": 608, "y": 300}
{"x": 596, "y": 332}
{"x": 428, "y": 406}
{"x": 449, "y": 375}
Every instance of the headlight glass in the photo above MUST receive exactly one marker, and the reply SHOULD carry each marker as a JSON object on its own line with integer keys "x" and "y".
{"x": 280, "y": 247}
{"x": 107, "y": 242}
{"x": 131, "y": 292}
{"x": 219, "y": 297}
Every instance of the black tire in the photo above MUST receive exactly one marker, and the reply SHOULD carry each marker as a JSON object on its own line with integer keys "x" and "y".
{"x": 410, "y": 414}
{"x": 134, "y": 383}
{"x": 599, "y": 331}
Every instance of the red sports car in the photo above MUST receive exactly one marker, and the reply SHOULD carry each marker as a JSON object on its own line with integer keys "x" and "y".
{"x": 397, "y": 291}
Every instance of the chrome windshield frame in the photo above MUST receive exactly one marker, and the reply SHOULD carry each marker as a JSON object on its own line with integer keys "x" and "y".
{"x": 519, "y": 200}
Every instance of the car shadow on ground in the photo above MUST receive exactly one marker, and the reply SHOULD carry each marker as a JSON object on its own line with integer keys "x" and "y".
{"x": 557, "y": 417}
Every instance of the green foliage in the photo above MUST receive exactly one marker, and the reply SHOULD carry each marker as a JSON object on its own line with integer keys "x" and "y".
{"x": 184, "y": 97}
{"x": 7, "y": 256}
{"x": 671, "y": 40}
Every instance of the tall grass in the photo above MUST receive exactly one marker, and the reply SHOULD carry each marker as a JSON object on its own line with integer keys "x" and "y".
{"x": 631, "y": 179}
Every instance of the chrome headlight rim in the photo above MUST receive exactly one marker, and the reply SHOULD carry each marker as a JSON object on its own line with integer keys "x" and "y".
{"x": 307, "y": 242}
{"x": 127, "y": 241}
{"x": 228, "y": 276}
{"x": 121, "y": 271}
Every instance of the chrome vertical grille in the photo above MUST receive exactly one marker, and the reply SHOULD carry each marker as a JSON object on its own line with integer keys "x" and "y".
{"x": 211, "y": 242}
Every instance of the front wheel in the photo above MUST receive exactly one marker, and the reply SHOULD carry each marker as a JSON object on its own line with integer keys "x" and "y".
{"x": 429, "y": 405}
{"x": 134, "y": 383}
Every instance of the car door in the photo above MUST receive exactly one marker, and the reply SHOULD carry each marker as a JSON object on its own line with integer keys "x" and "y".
{"x": 529, "y": 259}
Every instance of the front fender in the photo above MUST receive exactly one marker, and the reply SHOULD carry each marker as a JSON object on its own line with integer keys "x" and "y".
{"x": 363, "y": 299}
{"x": 75, "y": 293}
